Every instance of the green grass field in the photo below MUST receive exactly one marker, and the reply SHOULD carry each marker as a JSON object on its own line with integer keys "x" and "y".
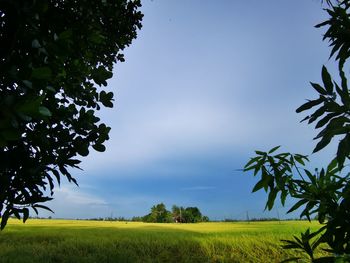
{"x": 103, "y": 241}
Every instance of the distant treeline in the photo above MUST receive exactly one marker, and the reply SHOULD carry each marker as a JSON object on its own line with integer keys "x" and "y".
{"x": 177, "y": 218}
{"x": 261, "y": 219}
{"x": 252, "y": 219}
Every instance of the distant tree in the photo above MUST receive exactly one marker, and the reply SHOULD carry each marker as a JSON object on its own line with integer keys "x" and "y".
{"x": 159, "y": 214}
{"x": 137, "y": 219}
{"x": 54, "y": 56}
{"x": 205, "y": 219}
{"x": 324, "y": 193}
{"x": 147, "y": 218}
{"x": 187, "y": 215}
{"x": 177, "y": 212}
{"x": 192, "y": 215}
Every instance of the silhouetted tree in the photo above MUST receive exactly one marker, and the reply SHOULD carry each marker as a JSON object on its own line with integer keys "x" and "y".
{"x": 324, "y": 193}
{"x": 54, "y": 57}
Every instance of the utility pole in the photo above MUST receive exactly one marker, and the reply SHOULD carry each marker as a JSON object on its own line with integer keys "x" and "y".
{"x": 248, "y": 217}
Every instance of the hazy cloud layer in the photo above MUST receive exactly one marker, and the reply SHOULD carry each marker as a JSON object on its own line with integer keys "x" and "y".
{"x": 203, "y": 86}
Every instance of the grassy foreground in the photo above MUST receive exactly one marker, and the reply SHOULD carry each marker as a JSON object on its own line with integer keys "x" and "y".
{"x": 98, "y": 241}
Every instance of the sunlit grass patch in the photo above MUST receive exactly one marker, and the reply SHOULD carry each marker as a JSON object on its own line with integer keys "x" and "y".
{"x": 103, "y": 241}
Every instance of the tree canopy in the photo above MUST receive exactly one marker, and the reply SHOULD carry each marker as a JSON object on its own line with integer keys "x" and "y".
{"x": 56, "y": 56}
{"x": 324, "y": 193}
{"x": 159, "y": 214}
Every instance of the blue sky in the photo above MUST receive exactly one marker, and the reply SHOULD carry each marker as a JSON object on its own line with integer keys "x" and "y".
{"x": 204, "y": 85}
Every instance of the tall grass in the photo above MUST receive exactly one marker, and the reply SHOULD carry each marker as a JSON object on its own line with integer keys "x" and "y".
{"x": 92, "y": 241}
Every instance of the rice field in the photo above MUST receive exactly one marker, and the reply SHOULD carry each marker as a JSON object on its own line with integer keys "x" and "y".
{"x": 106, "y": 241}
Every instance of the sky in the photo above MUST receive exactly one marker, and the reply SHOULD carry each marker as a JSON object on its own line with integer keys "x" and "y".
{"x": 204, "y": 85}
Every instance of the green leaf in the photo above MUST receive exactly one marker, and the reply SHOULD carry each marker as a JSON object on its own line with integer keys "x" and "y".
{"x": 43, "y": 207}
{"x": 82, "y": 146}
{"x": 260, "y": 153}
{"x": 100, "y": 75}
{"x": 318, "y": 88}
{"x": 306, "y": 118}
{"x": 284, "y": 195}
{"x": 325, "y": 120}
{"x": 322, "y": 24}
{"x": 323, "y": 143}
{"x": 274, "y": 149}
{"x": 99, "y": 147}
{"x": 251, "y": 161}
{"x": 309, "y": 105}
{"x": 299, "y": 160}
{"x": 271, "y": 199}
{"x": 311, "y": 177}
{"x": 45, "y": 111}
{"x": 25, "y": 214}
{"x": 318, "y": 113}
{"x": 15, "y": 212}
{"x": 106, "y": 98}
{"x": 43, "y": 73}
{"x": 258, "y": 166}
{"x": 28, "y": 83}
{"x": 73, "y": 162}
{"x": 83, "y": 151}
{"x": 4, "y": 219}
{"x": 344, "y": 82}
{"x": 259, "y": 185}
{"x": 57, "y": 175}
{"x": 332, "y": 165}
{"x": 333, "y": 106}
{"x": 108, "y": 104}
{"x": 327, "y": 80}
{"x": 306, "y": 211}
{"x": 344, "y": 96}
{"x": 297, "y": 205}
{"x": 343, "y": 150}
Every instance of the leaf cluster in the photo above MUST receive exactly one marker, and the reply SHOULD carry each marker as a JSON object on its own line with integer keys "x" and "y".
{"x": 56, "y": 56}
{"x": 276, "y": 173}
{"x": 331, "y": 113}
{"x": 322, "y": 194}
{"x": 333, "y": 105}
{"x": 325, "y": 193}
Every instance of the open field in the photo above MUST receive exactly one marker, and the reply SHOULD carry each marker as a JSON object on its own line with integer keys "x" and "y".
{"x": 103, "y": 241}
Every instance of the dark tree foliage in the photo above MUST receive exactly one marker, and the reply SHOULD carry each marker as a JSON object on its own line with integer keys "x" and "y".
{"x": 192, "y": 215}
{"x": 324, "y": 193}
{"x": 55, "y": 57}
{"x": 159, "y": 214}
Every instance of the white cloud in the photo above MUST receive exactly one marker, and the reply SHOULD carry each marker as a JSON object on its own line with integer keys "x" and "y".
{"x": 184, "y": 129}
{"x": 190, "y": 128}
{"x": 75, "y": 196}
{"x": 198, "y": 99}
{"x": 74, "y": 202}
